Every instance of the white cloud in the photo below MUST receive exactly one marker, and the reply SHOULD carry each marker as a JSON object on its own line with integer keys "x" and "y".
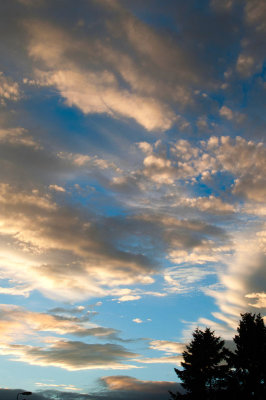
{"x": 176, "y": 360}
{"x": 92, "y": 91}
{"x": 187, "y": 279}
{"x": 57, "y": 188}
{"x": 167, "y": 346}
{"x": 244, "y": 279}
{"x": 129, "y": 298}
{"x": 259, "y": 298}
{"x": 58, "y": 386}
{"x": 137, "y": 320}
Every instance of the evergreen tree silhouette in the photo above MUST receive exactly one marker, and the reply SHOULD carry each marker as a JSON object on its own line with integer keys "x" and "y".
{"x": 249, "y": 360}
{"x": 203, "y": 372}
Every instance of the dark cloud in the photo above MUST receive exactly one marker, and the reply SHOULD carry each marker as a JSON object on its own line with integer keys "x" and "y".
{"x": 111, "y": 387}
{"x": 74, "y": 355}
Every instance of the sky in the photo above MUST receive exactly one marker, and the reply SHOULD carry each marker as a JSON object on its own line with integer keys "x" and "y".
{"x": 132, "y": 189}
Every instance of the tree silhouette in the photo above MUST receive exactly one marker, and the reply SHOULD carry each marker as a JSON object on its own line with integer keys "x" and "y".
{"x": 203, "y": 373}
{"x": 249, "y": 360}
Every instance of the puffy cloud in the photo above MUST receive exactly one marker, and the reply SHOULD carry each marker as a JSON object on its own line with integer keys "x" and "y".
{"x": 245, "y": 66}
{"x": 145, "y": 147}
{"x": 245, "y": 160}
{"x": 137, "y": 320}
{"x": 9, "y": 90}
{"x": 226, "y": 112}
{"x": 252, "y": 187}
{"x": 129, "y": 297}
{"x": 250, "y": 59}
{"x": 17, "y": 137}
{"x": 10, "y": 198}
{"x": 255, "y": 12}
{"x": 211, "y": 204}
{"x": 158, "y": 169}
{"x": 86, "y": 161}
{"x": 57, "y": 188}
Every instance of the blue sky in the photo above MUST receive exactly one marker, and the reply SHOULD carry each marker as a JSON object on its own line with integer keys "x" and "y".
{"x": 132, "y": 188}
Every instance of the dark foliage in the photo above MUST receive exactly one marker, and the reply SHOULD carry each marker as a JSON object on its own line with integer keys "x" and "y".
{"x": 211, "y": 372}
{"x": 203, "y": 372}
{"x": 248, "y": 363}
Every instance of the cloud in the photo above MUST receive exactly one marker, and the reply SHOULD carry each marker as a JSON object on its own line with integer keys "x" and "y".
{"x": 167, "y": 346}
{"x": 93, "y": 91}
{"x": 57, "y": 188}
{"x": 255, "y": 13}
{"x": 62, "y": 310}
{"x": 188, "y": 240}
{"x": 211, "y": 204}
{"x": 87, "y": 162}
{"x": 259, "y": 298}
{"x": 187, "y": 279}
{"x": 29, "y": 323}
{"x": 17, "y": 137}
{"x": 95, "y": 261}
{"x": 245, "y": 66}
{"x": 21, "y": 325}
{"x": 250, "y": 59}
{"x": 133, "y": 385}
{"x": 102, "y": 256}
{"x": 59, "y": 386}
{"x": 225, "y": 5}
{"x": 137, "y": 320}
{"x": 72, "y": 355}
{"x": 9, "y": 90}
{"x": 129, "y": 298}
{"x": 226, "y": 112}
{"x": 244, "y": 159}
{"x": 242, "y": 281}
{"x": 110, "y": 387}
{"x": 16, "y": 290}
{"x": 176, "y": 360}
